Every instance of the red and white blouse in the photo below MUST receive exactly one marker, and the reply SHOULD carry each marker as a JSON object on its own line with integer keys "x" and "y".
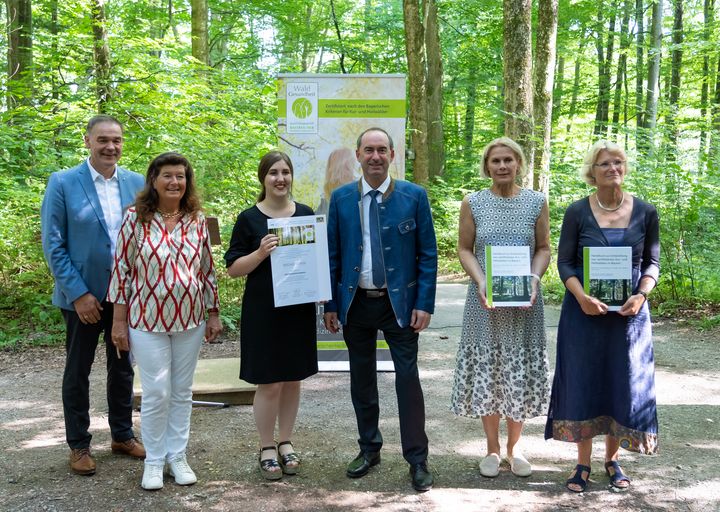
{"x": 170, "y": 282}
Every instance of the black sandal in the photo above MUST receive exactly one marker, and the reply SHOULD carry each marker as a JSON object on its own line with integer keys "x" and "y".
{"x": 578, "y": 479}
{"x": 618, "y": 476}
{"x": 290, "y": 462}
{"x": 269, "y": 468}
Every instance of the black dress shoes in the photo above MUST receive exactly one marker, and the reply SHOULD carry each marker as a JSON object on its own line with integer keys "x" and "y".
{"x": 422, "y": 479}
{"x": 361, "y": 464}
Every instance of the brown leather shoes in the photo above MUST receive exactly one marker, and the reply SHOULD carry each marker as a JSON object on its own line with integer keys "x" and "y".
{"x": 81, "y": 462}
{"x": 131, "y": 447}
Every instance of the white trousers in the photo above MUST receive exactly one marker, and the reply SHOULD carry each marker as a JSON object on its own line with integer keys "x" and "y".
{"x": 167, "y": 363}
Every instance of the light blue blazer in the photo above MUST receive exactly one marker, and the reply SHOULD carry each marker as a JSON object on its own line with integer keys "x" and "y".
{"x": 75, "y": 238}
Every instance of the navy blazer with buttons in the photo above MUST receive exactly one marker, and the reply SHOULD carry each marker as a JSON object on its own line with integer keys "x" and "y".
{"x": 75, "y": 237}
{"x": 409, "y": 248}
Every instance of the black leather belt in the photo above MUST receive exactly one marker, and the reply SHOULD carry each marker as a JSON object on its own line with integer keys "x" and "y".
{"x": 372, "y": 294}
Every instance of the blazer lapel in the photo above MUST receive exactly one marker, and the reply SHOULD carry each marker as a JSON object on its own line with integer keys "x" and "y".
{"x": 86, "y": 182}
{"x": 127, "y": 196}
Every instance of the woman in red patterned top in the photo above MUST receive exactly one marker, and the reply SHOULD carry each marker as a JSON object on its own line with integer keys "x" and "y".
{"x": 163, "y": 285}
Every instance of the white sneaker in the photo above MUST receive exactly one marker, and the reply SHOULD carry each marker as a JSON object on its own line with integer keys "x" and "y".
{"x": 519, "y": 465}
{"x": 152, "y": 479}
{"x": 490, "y": 466}
{"x": 181, "y": 470}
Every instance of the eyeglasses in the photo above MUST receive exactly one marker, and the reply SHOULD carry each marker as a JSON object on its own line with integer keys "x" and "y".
{"x": 606, "y": 165}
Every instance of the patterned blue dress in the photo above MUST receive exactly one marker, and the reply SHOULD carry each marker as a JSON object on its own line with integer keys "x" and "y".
{"x": 501, "y": 363}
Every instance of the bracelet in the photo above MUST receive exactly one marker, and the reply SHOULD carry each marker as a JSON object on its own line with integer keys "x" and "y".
{"x": 535, "y": 276}
{"x": 643, "y": 293}
{"x": 213, "y": 310}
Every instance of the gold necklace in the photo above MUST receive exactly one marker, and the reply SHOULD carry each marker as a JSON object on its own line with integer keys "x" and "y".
{"x": 607, "y": 209}
{"x": 167, "y": 215}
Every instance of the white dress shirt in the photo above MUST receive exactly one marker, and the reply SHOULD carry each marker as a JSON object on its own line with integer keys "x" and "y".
{"x": 108, "y": 191}
{"x": 366, "y": 280}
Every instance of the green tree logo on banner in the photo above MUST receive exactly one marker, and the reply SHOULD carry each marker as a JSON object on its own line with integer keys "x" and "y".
{"x": 302, "y": 108}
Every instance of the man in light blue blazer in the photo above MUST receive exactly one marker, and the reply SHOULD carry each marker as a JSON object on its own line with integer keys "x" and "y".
{"x": 383, "y": 269}
{"x": 81, "y": 216}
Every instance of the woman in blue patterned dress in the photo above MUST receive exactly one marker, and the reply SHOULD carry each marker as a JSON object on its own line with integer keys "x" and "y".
{"x": 604, "y": 375}
{"x": 501, "y": 365}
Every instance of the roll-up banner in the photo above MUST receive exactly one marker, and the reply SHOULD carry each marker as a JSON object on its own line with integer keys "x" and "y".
{"x": 319, "y": 119}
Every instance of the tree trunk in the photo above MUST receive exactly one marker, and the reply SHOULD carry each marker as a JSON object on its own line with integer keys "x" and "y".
{"x": 576, "y": 85}
{"x": 517, "y": 77}
{"x": 101, "y": 54}
{"x": 639, "y": 67}
{"x": 709, "y": 19}
{"x": 469, "y": 130}
{"x": 653, "y": 85}
{"x": 714, "y": 157}
{"x": 620, "y": 76}
{"x": 306, "y": 47}
{"x": 434, "y": 91}
{"x": 605, "y": 57}
{"x": 545, "y": 51}
{"x": 367, "y": 34}
{"x": 677, "y": 54}
{"x": 19, "y": 53}
{"x": 199, "y": 31}
{"x": 558, "y": 92}
{"x": 415, "y": 48}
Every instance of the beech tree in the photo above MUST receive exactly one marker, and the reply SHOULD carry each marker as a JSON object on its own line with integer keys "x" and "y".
{"x": 517, "y": 77}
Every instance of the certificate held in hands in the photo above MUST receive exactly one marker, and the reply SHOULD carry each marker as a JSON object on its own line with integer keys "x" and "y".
{"x": 299, "y": 263}
{"x": 608, "y": 274}
{"x": 507, "y": 275}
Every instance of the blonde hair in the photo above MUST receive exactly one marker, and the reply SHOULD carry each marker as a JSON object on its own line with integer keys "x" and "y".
{"x": 340, "y": 169}
{"x": 512, "y": 146}
{"x": 614, "y": 149}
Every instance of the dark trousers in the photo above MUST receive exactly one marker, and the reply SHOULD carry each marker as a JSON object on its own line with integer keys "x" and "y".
{"x": 80, "y": 343}
{"x": 365, "y": 317}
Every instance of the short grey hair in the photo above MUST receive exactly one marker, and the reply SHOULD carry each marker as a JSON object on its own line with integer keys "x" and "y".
{"x": 586, "y": 171}
{"x": 512, "y": 146}
{"x": 375, "y": 129}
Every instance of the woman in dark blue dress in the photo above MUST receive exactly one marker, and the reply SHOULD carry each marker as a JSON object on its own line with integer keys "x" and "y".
{"x": 604, "y": 380}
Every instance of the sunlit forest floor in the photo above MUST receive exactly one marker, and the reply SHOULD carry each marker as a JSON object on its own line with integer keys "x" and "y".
{"x": 684, "y": 476}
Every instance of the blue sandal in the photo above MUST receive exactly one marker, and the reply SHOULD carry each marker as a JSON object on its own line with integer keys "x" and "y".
{"x": 578, "y": 479}
{"x": 617, "y": 477}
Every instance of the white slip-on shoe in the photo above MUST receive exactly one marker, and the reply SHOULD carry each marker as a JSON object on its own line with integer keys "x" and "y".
{"x": 490, "y": 466}
{"x": 519, "y": 465}
{"x": 181, "y": 470}
{"x": 152, "y": 479}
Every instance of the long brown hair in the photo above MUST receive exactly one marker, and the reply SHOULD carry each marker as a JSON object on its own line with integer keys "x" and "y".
{"x": 268, "y": 160}
{"x": 147, "y": 199}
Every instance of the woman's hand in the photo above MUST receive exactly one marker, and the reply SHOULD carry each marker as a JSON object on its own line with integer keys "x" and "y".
{"x": 482, "y": 294}
{"x": 632, "y": 305}
{"x": 119, "y": 335}
{"x": 267, "y": 245}
{"x": 592, "y": 306}
{"x": 534, "y": 287}
{"x": 213, "y": 327}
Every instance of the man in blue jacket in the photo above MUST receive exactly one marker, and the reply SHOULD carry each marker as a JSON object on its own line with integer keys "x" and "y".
{"x": 383, "y": 269}
{"x": 81, "y": 216}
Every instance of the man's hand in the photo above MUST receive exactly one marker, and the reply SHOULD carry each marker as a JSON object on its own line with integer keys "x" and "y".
{"x": 419, "y": 320}
{"x": 88, "y": 308}
{"x": 331, "y": 322}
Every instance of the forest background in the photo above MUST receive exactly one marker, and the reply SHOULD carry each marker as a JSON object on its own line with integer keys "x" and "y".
{"x": 198, "y": 76}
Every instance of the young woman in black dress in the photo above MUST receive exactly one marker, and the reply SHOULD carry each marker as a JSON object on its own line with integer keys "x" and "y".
{"x": 278, "y": 346}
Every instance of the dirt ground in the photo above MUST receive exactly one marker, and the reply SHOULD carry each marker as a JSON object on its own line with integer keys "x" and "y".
{"x": 685, "y": 476}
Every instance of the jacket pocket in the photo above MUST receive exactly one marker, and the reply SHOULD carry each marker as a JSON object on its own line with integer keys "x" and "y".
{"x": 407, "y": 226}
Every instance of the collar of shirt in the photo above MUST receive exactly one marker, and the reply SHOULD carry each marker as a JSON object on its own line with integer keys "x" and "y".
{"x": 95, "y": 175}
{"x": 382, "y": 188}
